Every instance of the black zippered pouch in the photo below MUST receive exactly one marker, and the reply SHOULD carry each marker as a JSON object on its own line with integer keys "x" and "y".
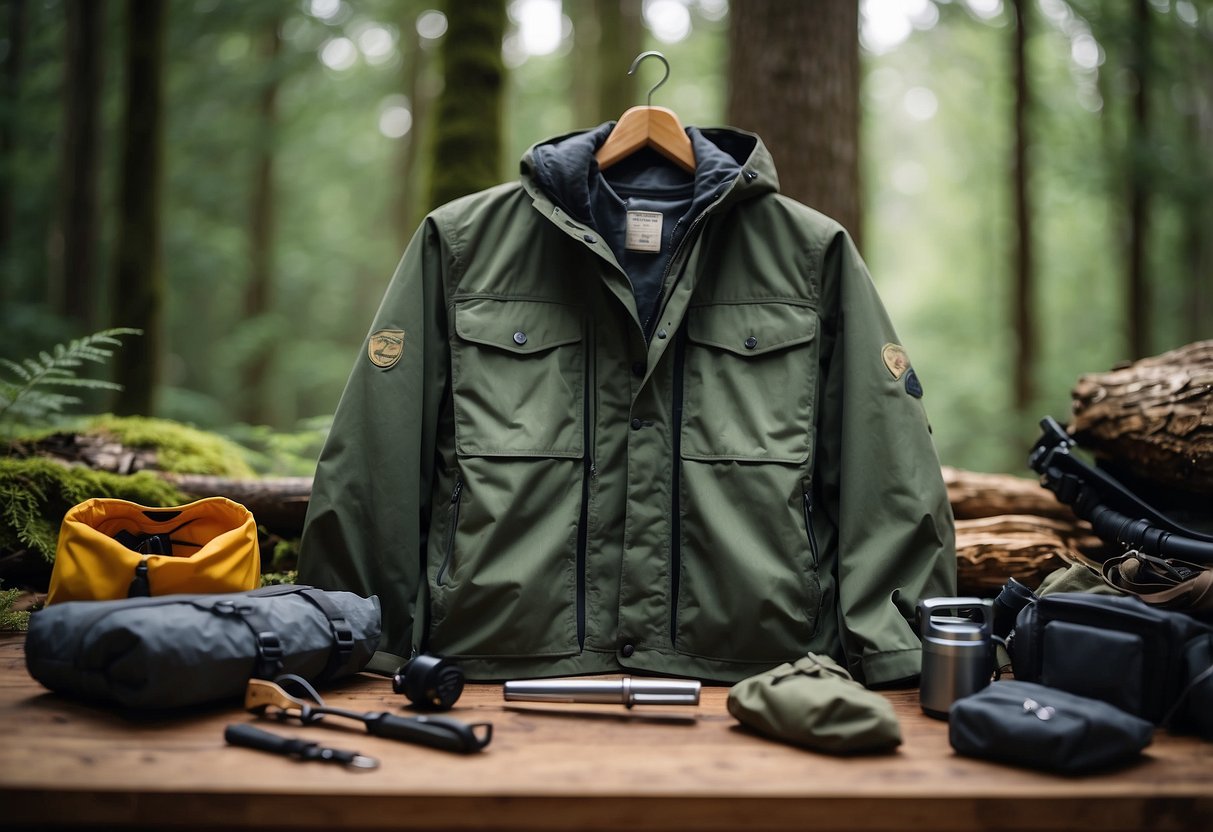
{"x": 1116, "y": 649}
{"x": 176, "y": 650}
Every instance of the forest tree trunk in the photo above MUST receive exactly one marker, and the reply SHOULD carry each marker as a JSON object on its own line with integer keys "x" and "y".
{"x": 1138, "y": 300}
{"x": 13, "y": 60}
{"x": 138, "y": 296}
{"x": 258, "y": 297}
{"x": 1024, "y": 290}
{"x": 621, "y": 39}
{"x": 74, "y": 280}
{"x": 794, "y": 80}
{"x": 413, "y": 76}
{"x": 608, "y": 35}
{"x": 468, "y": 136}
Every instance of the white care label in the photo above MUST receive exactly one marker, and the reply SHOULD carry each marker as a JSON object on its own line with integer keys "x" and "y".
{"x": 644, "y": 231}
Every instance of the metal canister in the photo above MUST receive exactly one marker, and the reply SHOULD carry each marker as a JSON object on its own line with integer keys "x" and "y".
{"x": 957, "y": 651}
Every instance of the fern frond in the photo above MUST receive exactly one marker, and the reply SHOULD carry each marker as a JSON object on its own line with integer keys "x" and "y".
{"x": 15, "y": 368}
{"x": 56, "y": 368}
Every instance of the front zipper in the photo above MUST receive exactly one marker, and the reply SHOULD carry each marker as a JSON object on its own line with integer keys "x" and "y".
{"x": 589, "y": 473}
{"x": 456, "y": 498}
{"x": 680, "y": 343}
{"x": 808, "y": 526}
{"x": 677, "y": 404}
{"x": 682, "y": 244}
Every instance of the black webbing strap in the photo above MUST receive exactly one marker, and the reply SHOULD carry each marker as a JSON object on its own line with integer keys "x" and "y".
{"x": 343, "y": 634}
{"x": 269, "y": 645}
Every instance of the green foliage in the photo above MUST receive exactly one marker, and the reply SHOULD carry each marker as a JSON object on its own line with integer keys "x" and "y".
{"x": 276, "y": 578}
{"x": 283, "y": 453}
{"x": 12, "y": 620}
{"x": 36, "y": 493}
{"x": 24, "y": 397}
{"x": 180, "y": 449}
{"x": 286, "y": 555}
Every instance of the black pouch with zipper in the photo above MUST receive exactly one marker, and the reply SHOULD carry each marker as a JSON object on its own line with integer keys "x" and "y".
{"x": 1116, "y": 649}
{"x": 178, "y": 650}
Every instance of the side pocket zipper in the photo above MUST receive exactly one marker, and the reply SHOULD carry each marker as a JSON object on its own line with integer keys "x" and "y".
{"x": 456, "y": 497}
{"x": 808, "y": 527}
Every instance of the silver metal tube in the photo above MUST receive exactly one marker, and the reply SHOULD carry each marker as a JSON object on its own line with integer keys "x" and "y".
{"x": 626, "y": 691}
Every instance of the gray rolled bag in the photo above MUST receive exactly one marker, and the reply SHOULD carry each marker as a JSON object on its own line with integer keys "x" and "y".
{"x": 176, "y": 650}
{"x": 1039, "y": 727}
{"x": 814, "y": 702}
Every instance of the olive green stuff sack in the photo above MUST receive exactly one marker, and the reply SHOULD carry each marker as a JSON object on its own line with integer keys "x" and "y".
{"x": 815, "y": 703}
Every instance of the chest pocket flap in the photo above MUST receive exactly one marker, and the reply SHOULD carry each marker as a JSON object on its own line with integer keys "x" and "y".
{"x": 750, "y": 381}
{"x": 522, "y": 327}
{"x": 752, "y": 329}
{"x": 518, "y": 373}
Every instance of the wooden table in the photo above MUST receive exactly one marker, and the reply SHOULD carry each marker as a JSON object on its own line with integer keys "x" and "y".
{"x": 66, "y": 764}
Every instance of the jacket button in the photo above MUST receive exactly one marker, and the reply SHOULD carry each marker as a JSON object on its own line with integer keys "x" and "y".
{"x": 750, "y": 175}
{"x": 637, "y": 424}
{"x": 627, "y": 650}
{"x": 661, "y": 334}
{"x": 520, "y": 338}
{"x": 751, "y": 342}
{"x": 638, "y": 369}
{"x": 589, "y": 238}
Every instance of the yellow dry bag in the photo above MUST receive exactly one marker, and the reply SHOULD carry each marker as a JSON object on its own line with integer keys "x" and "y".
{"x": 112, "y": 549}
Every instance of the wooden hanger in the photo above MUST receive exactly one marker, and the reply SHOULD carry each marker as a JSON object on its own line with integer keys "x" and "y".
{"x": 649, "y": 126}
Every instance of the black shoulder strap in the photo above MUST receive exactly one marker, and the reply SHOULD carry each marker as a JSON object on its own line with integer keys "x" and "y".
{"x": 343, "y": 634}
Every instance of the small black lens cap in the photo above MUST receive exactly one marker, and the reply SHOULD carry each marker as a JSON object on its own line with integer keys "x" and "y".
{"x": 431, "y": 683}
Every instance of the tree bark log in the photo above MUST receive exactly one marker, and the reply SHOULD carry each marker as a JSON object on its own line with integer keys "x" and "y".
{"x": 975, "y": 495}
{"x": 1154, "y": 417}
{"x": 279, "y": 504}
{"x": 989, "y": 550}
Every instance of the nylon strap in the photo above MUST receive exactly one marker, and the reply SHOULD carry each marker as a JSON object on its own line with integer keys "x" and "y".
{"x": 343, "y": 634}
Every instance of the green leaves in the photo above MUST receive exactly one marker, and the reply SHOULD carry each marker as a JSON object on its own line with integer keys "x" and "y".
{"x": 24, "y": 397}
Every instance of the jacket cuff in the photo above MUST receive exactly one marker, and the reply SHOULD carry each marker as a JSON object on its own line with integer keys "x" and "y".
{"x": 897, "y": 667}
{"x": 384, "y": 663}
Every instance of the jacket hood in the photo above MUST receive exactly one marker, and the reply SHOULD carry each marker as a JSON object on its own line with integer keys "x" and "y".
{"x": 564, "y": 168}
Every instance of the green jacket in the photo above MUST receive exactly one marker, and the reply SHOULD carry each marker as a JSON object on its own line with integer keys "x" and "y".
{"x": 558, "y": 454}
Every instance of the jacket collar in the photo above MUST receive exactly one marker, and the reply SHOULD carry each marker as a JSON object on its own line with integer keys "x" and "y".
{"x": 728, "y": 161}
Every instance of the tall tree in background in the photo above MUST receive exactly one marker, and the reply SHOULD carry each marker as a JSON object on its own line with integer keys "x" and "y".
{"x": 1138, "y": 311}
{"x": 608, "y": 34}
{"x": 468, "y": 129}
{"x": 1197, "y": 207}
{"x": 8, "y": 121}
{"x": 74, "y": 276}
{"x": 417, "y": 77}
{"x": 794, "y": 80}
{"x": 258, "y": 297}
{"x": 1024, "y": 285}
{"x": 138, "y": 281}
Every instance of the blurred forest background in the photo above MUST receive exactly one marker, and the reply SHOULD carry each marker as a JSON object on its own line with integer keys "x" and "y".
{"x": 1032, "y": 181}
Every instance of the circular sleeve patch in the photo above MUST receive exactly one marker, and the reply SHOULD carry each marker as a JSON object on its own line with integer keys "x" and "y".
{"x": 385, "y": 347}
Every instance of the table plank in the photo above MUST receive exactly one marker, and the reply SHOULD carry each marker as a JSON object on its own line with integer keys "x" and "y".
{"x": 548, "y": 767}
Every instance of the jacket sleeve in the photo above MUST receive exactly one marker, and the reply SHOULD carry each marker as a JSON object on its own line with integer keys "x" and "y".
{"x": 369, "y": 511}
{"x": 879, "y": 477}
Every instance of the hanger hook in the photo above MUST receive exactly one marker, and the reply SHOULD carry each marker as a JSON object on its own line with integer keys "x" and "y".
{"x": 664, "y": 78}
